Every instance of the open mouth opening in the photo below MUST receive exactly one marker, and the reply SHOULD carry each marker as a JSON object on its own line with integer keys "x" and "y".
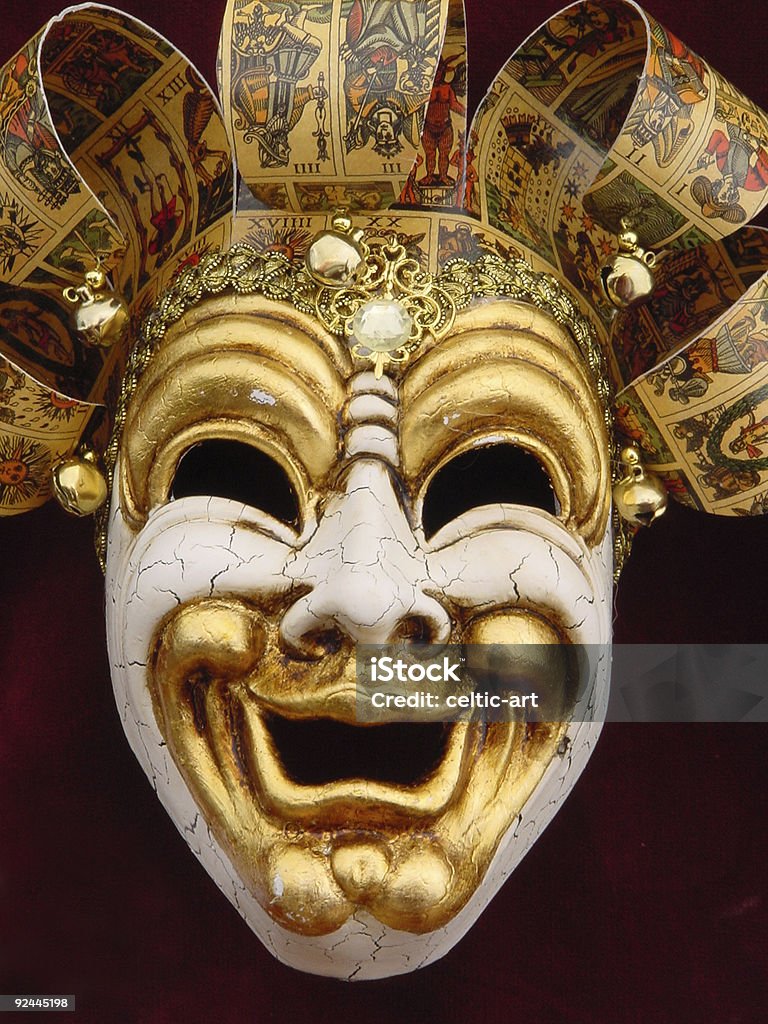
{"x": 323, "y": 750}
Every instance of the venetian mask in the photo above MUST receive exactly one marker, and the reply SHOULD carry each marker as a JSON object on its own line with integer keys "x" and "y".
{"x": 405, "y": 438}
{"x": 275, "y": 504}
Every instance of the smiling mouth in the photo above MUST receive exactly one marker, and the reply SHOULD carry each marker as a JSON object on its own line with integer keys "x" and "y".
{"x": 296, "y": 755}
{"x": 323, "y": 815}
{"x": 324, "y": 750}
{"x": 331, "y": 774}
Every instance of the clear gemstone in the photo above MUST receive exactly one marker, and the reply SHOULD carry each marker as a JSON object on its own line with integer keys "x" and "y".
{"x": 382, "y": 325}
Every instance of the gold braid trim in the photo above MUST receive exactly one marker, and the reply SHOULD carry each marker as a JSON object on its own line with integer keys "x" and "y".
{"x": 246, "y": 271}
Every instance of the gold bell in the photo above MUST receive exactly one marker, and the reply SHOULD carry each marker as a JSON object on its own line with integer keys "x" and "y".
{"x": 78, "y": 483}
{"x": 639, "y": 495}
{"x": 627, "y": 277}
{"x": 336, "y": 257}
{"x": 101, "y": 316}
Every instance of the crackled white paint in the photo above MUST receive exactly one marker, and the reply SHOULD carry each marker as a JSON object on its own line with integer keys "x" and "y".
{"x": 372, "y": 407}
{"x": 367, "y": 568}
{"x": 373, "y": 439}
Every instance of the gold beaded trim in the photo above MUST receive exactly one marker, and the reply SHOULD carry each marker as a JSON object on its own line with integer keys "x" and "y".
{"x": 246, "y": 271}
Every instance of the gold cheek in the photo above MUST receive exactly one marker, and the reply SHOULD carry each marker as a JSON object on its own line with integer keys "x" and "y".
{"x": 512, "y": 626}
{"x": 216, "y": 636}
{"x": 202, "y": 652}
{"x": 512, "y": 758}
{"x": 527, "y": 646}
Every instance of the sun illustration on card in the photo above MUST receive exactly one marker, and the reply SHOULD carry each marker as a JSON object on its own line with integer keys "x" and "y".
{"x": 23, "y": 470}
{"x": 53, "y": 406}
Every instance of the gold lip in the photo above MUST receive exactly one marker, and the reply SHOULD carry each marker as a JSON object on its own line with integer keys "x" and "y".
{"x": 355, "y": 801}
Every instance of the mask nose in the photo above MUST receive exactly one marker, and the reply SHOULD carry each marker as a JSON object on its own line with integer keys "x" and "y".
{"x": 366, "y": 574}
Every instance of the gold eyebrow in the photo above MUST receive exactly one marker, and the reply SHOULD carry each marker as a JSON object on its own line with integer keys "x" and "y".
{"x": 237, "y": 367}
{"x": 507, "y": 370}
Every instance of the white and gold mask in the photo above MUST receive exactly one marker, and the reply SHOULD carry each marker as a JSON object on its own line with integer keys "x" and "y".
{"x": 290, "y": 480}
{"x": 276, "y": 503}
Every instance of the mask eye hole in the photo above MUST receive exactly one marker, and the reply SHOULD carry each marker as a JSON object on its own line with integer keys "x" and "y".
{"x": 232, "y": 469}
{"x": 496, "y": 474}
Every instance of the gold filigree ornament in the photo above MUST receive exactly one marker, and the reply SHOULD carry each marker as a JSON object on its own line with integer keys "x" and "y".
{"x": 385, "y": 305}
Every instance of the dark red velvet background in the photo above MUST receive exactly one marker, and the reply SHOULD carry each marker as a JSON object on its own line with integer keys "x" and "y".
{"x": 643, "y": 902}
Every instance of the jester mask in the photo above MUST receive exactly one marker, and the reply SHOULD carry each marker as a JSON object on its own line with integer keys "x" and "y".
{"x": 400, "y": 397}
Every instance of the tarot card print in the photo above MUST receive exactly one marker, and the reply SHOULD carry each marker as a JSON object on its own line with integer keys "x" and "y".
{"x": 739, "y": 438}
{"x": 721, "y": 449}
{"x": 734, "y": 161}
{"x": 581, "y": 241}
{"x": 20, "y": 233}
{"x": 736, "y": 346}
{"x": 31, "y": 154}
{"x": 289, "y": 235}
{"x": 280, "y": 63}
{"x": 207, "y": 148}
{"x": 156, "y": 152}
{"x": 678, "y": 485}
{"x": 362, "y": 196}
{"x": 597, "y": 104}
{"x": 33, "y": 407}
{"x": 24, "y": 472}
{"x": 579, "y": 38}
{"x": 694, "y": 288}
{"x": 95, "y": 237}
{"x": 635, "y": 425}
{"x": 621, "y": 195}
{"x": 37, "y": 425}
{"x": 524, "y": 165}
{"x": 438, "y": 176}
{"x": 154, "y": 186}
{"x": 146, "y": 135}
{"x": 389, "y": 52}
{"x": 328, "y": 93}
{"x": 96, "y": 65}
{"x": 35, "y": 332}
{"x": 463, "y": 239}
{"x": 671, "y": 103}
